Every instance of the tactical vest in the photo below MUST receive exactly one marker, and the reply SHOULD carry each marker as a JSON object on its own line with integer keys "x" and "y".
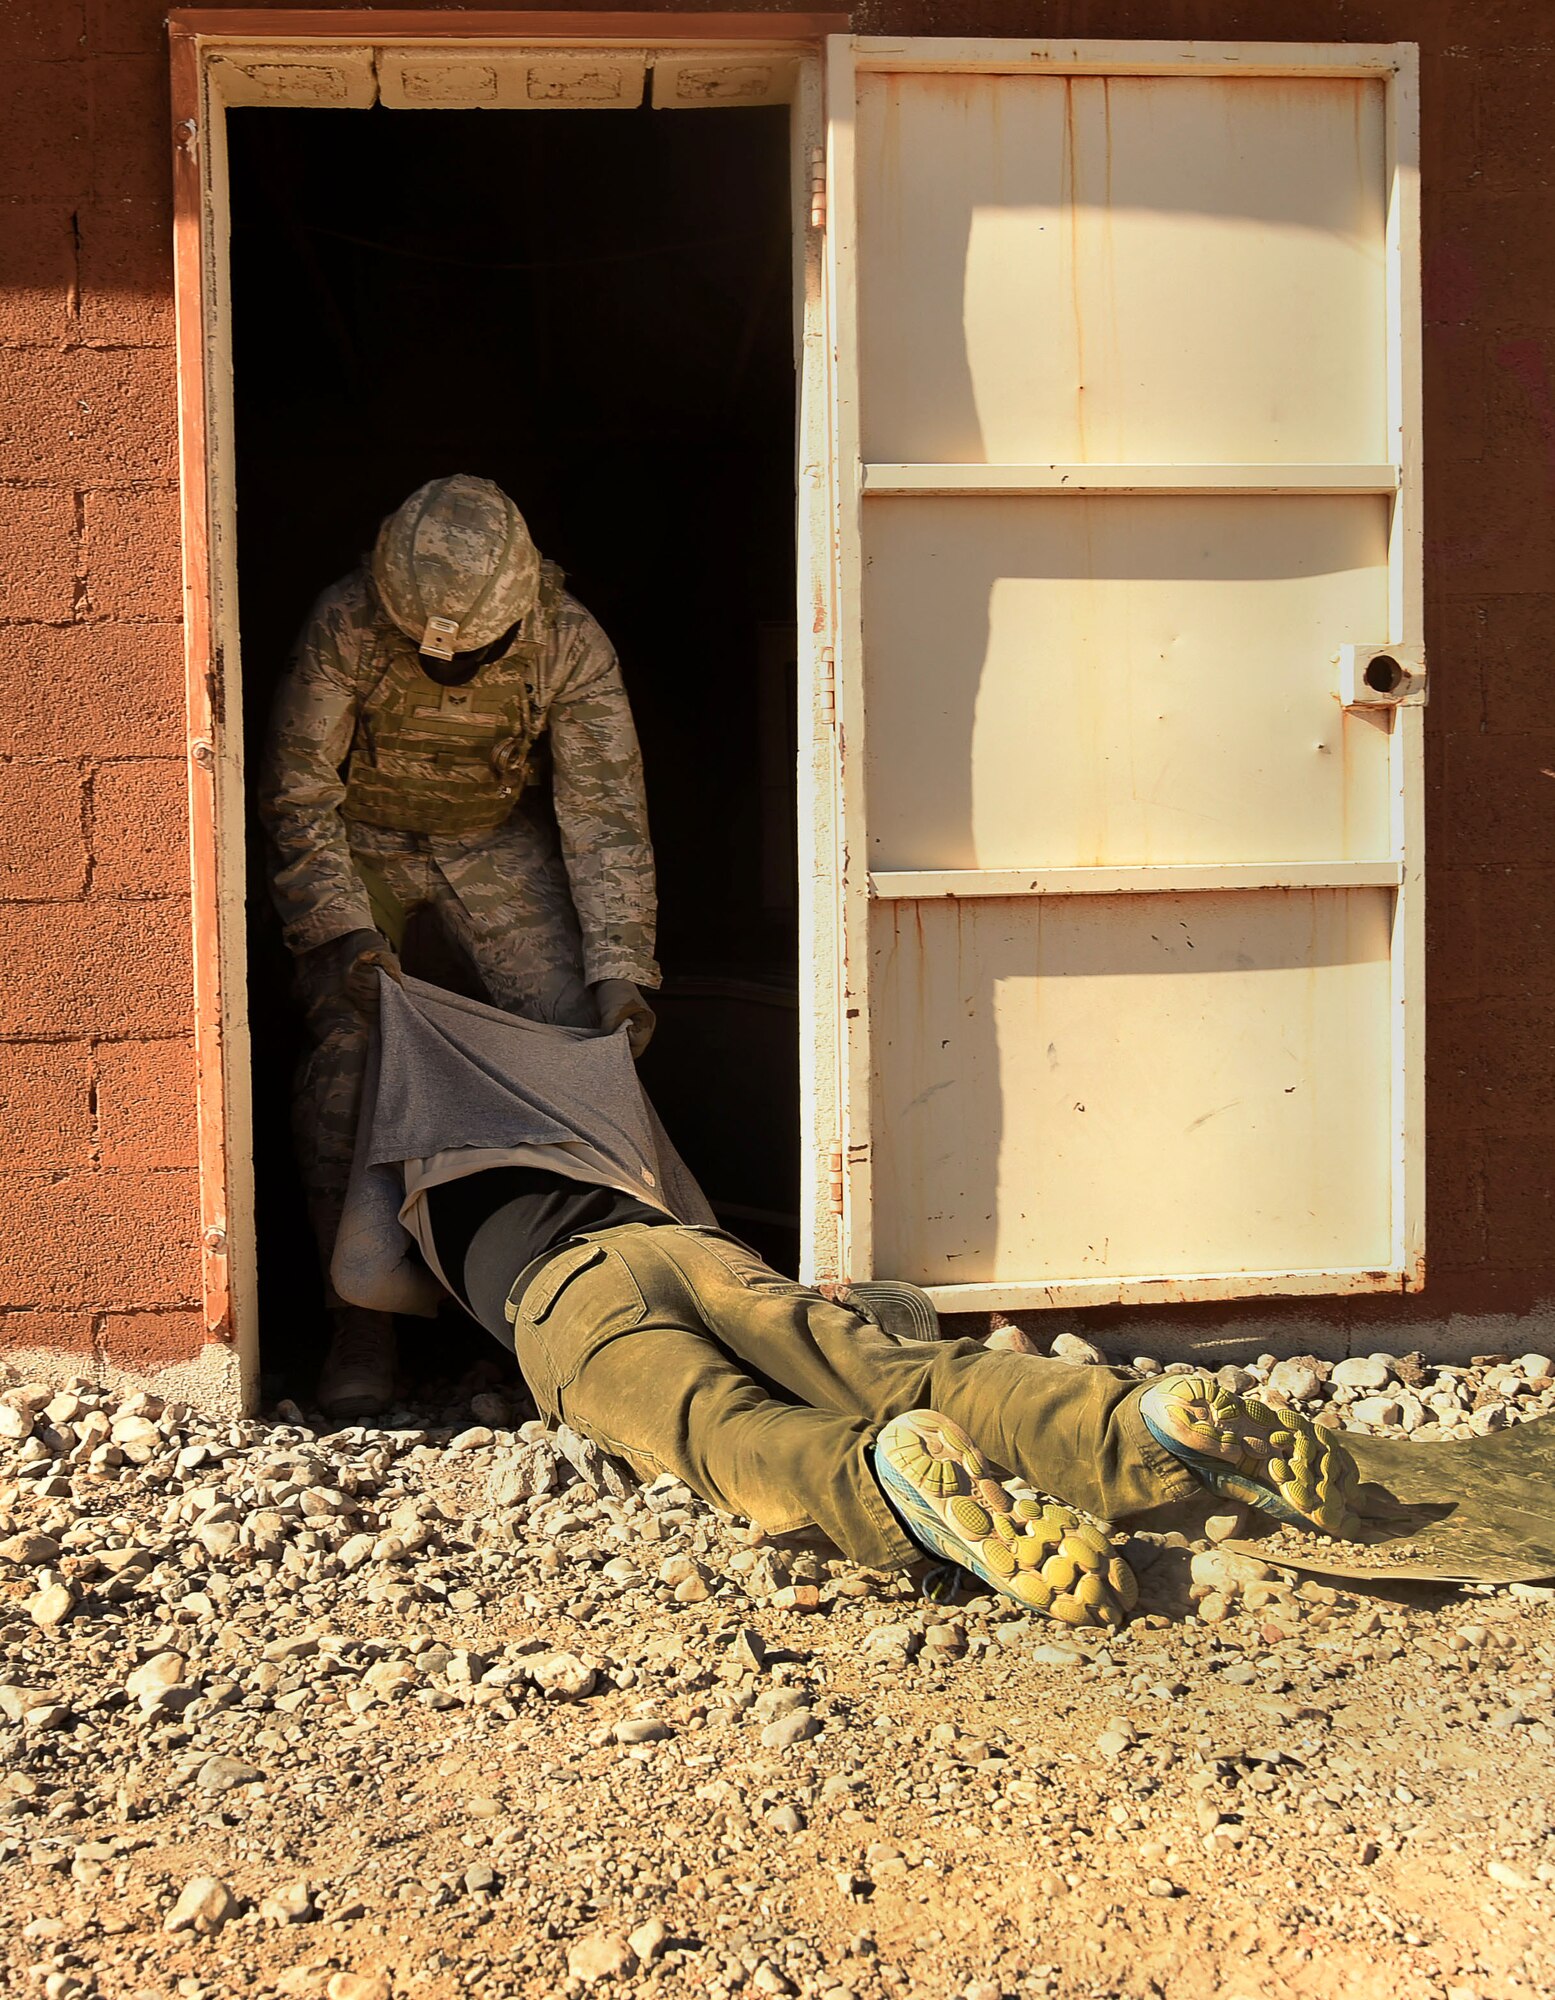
{"x": 430, "y": 759}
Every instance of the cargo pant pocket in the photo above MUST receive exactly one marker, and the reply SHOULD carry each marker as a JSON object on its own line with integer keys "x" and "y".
{"x": 582, "y": 1298}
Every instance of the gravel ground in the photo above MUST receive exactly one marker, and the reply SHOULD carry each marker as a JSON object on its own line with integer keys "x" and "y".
{"x": 447, "y": 1706}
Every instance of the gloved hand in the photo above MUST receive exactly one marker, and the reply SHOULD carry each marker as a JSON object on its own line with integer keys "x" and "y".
{"x": 350, "y": 964}
{"x": 619, "y": 1000}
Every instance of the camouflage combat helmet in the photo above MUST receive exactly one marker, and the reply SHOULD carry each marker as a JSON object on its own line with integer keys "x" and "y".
{"x": 455, "y": 566}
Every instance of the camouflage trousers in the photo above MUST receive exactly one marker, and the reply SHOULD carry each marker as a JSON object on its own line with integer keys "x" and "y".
{"x": 503, "y": 899}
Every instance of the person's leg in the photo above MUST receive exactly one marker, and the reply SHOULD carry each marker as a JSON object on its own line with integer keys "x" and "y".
{"x": 1072, "y": 1432}
{"x": 1092, "y": 1436}
{"x": 612, "y": 1341}
{"x": 613, "y": 1337}
{"x": 326, "y": 1093}
{"x": 356, "y": 1378}
{"x": 504, "y": 896}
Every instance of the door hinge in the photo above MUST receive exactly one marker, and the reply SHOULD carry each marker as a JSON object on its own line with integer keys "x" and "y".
{"x": 834, "y": 1179}
{"x": 826, "y": 686}
{"x": 817, "y": 187}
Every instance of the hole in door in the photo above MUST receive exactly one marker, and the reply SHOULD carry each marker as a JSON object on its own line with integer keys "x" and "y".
{"x": 595, "y": 310}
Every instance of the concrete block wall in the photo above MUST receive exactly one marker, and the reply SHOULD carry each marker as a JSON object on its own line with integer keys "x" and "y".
{"x": 99, "y": 1253}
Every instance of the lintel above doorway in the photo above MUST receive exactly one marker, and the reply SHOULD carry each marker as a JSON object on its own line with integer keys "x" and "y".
{"x": 273, "y": 24}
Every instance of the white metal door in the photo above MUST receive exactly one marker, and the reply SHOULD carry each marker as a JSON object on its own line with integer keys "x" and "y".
{"x": 1128, "y": 845}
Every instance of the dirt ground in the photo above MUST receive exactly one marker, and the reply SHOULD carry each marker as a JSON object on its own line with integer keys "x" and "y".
{"x": 445, "y": 1707}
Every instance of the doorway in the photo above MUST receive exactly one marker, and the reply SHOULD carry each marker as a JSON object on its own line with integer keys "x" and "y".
{"x": 594, "y": 310}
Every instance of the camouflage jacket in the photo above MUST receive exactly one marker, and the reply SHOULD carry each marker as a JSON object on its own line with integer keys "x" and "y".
{"x": 579, "y": 713}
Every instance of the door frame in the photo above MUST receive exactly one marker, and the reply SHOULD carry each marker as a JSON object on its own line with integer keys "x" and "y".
{"x": 214, "y": 56}
{"x": 1396, "y": 67}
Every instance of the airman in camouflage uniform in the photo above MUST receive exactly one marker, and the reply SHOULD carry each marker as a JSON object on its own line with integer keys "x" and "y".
{"x": 453, "y": 733}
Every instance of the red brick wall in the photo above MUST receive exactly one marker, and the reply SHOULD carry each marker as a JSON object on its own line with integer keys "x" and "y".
{"x": 99, "y": 1250}
{"x": 100, "y": 1244}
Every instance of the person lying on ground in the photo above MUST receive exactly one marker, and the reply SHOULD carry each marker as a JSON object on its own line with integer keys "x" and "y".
{"x": 520, "y": 1168}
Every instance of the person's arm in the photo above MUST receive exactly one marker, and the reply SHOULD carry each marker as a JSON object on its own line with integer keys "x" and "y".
{"x": 316, "y": 890}
{"x": 601, "y": 807}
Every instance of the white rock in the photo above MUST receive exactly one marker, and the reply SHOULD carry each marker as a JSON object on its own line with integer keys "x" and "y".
{"x": 218, "y": 1538}
{"x": 1378, "y": 1410}
{"x": 204, "y": 1906}
{"x": 642, "y": 1729}
{"x": 155, "y": 1676}
{"x": 1070, "y": 1347}
{"x": 476, "y": 1438}
{"x": 1361, "y": 1371}
{"x": 301, "y": 1646}
{"x": 48, "y": 1715}
{"x": 893, "y": 1639}
{"x": 390, "y": 1678}
{"x": 528, "y": 1472}
{"x": 222, "y": 1774}
{"x": 16, "y": 1703}
{"x": 27, "y": 1551}
{"x": 136, "y": 1434}
{"x": 1012, "y": 1340}
{"x": 1296, "y": 1379}
{"x": 291, "y": 1905}
{"x": 52, "y": 1606}
{"x": 592, "y": 1465}
{"x": 1226, "y": 1571}
{"x": 1537, "y": 1367}
{"x": 796, "y": 1727}
{"x": 605, "y": 1955}
{"x": 649, "y": 1939}
{"x": 358, "y": 1986}
{"x": 562, "y": 1676}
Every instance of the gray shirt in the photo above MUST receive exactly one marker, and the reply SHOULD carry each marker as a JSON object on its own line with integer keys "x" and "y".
{"x": 452, "y": 1088}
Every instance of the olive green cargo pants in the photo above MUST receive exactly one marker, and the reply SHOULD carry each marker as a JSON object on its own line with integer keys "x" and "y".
{"x": 678, "y": 1350}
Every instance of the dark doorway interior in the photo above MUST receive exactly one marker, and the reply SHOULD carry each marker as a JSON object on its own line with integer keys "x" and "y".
{"x": 594, "y": 309}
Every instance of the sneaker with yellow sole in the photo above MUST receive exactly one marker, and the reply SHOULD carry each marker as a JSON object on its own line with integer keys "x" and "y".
{"x": 1044, "y": 1556}
{"x": 1270, "y": 1458}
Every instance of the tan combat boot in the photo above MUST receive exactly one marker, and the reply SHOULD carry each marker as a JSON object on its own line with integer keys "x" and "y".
{"x": 357, "y": 1379}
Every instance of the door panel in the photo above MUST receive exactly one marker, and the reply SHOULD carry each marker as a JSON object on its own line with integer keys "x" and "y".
{"x": 1121, "y": 268}
{"x": 1056, "y": 682}
{"x": 1125, "y": 405}
{"x": 1089, "y": 1088}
